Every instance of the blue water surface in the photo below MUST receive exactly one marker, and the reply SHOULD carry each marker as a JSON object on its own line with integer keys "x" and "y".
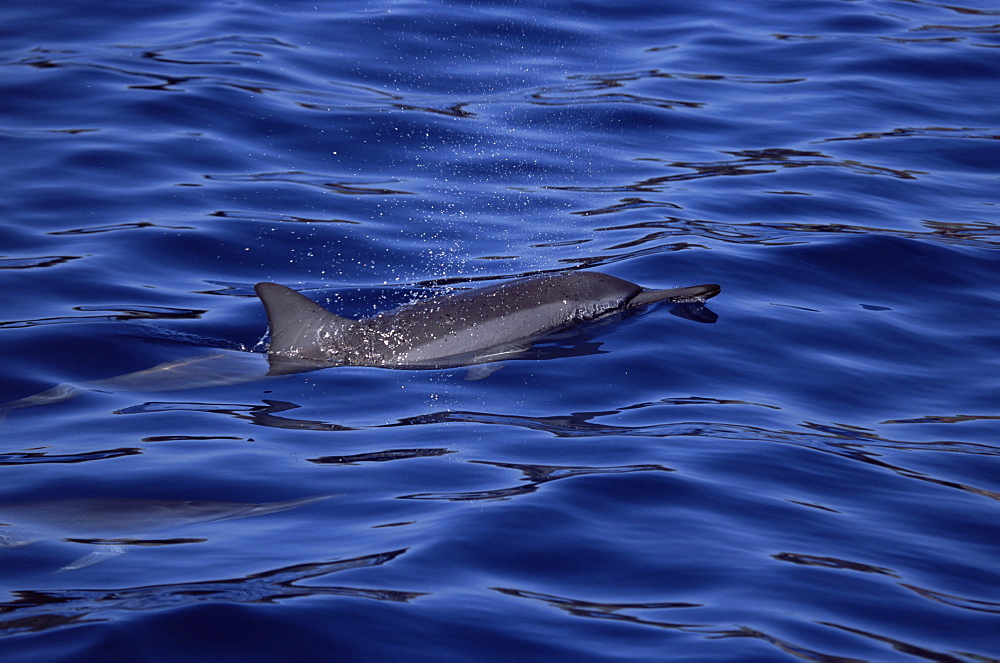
{"x": 807, "y": 469}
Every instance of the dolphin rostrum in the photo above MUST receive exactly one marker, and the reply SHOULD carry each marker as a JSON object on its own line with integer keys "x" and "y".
{"x": 113, "y": 522}
{"x": 456, "y": 329}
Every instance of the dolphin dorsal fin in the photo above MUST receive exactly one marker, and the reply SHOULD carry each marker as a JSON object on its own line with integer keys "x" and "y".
{"x": 296, "y": 322}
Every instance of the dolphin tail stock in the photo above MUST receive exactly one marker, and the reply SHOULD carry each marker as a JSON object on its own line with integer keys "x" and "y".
{"x": 296, "y": 322}
{"x": 275, "y": 507}
{"x": 208, "y": 369}
{"x": 57, "y": 394}
{"x": 693, "y": 294}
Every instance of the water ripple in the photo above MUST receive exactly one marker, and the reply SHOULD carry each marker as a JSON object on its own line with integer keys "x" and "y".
{"x": 120, "y": 314}
{"x": 534, "y": 476}
{"x": 619, "y": 612}
{"x": 355, "y": 188}
{"x": 747, "y": 162}
{"x": 43, "y": 610}
{"x": 29, "y": 263}
{"x": 41, "y": 457}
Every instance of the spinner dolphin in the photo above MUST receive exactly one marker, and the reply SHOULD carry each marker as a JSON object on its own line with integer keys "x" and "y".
{"x": 456, "y": 329}
{"x": 467, "y": 327}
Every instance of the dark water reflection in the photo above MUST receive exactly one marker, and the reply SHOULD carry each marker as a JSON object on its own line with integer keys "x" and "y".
{"x": 785, "y": 234}
{"x": 534, "y": 477}
{"x": 622, "y": 612}
{"x": 118, "y": 315}
{"x": 746, "y": 162}
{"x": 35, "y": 457}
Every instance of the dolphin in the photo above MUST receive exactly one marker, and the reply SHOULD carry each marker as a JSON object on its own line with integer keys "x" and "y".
{"x": 114, "y": 522}
{"x": 461, "y": 328}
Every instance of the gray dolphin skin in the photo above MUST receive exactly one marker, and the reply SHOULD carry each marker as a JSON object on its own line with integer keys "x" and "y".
{"x": 112, "y": 522}
{"x": 456, "y": 329}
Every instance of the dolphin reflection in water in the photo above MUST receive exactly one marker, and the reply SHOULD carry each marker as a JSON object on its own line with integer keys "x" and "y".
{"x": 460, "y": 328}
{"x": 112, "y": 523}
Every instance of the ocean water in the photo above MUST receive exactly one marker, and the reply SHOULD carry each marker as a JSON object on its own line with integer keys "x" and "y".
{"x": 806, "y": 469}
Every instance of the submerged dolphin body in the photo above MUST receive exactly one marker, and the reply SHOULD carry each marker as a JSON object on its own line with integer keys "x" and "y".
{"x": 457, "y": 329}
{"x": 114, "y": 522}
{"x": 209, "y": 369}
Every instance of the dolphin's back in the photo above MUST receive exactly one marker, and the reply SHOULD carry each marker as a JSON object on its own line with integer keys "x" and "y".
{"x": 461, "y": 323}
